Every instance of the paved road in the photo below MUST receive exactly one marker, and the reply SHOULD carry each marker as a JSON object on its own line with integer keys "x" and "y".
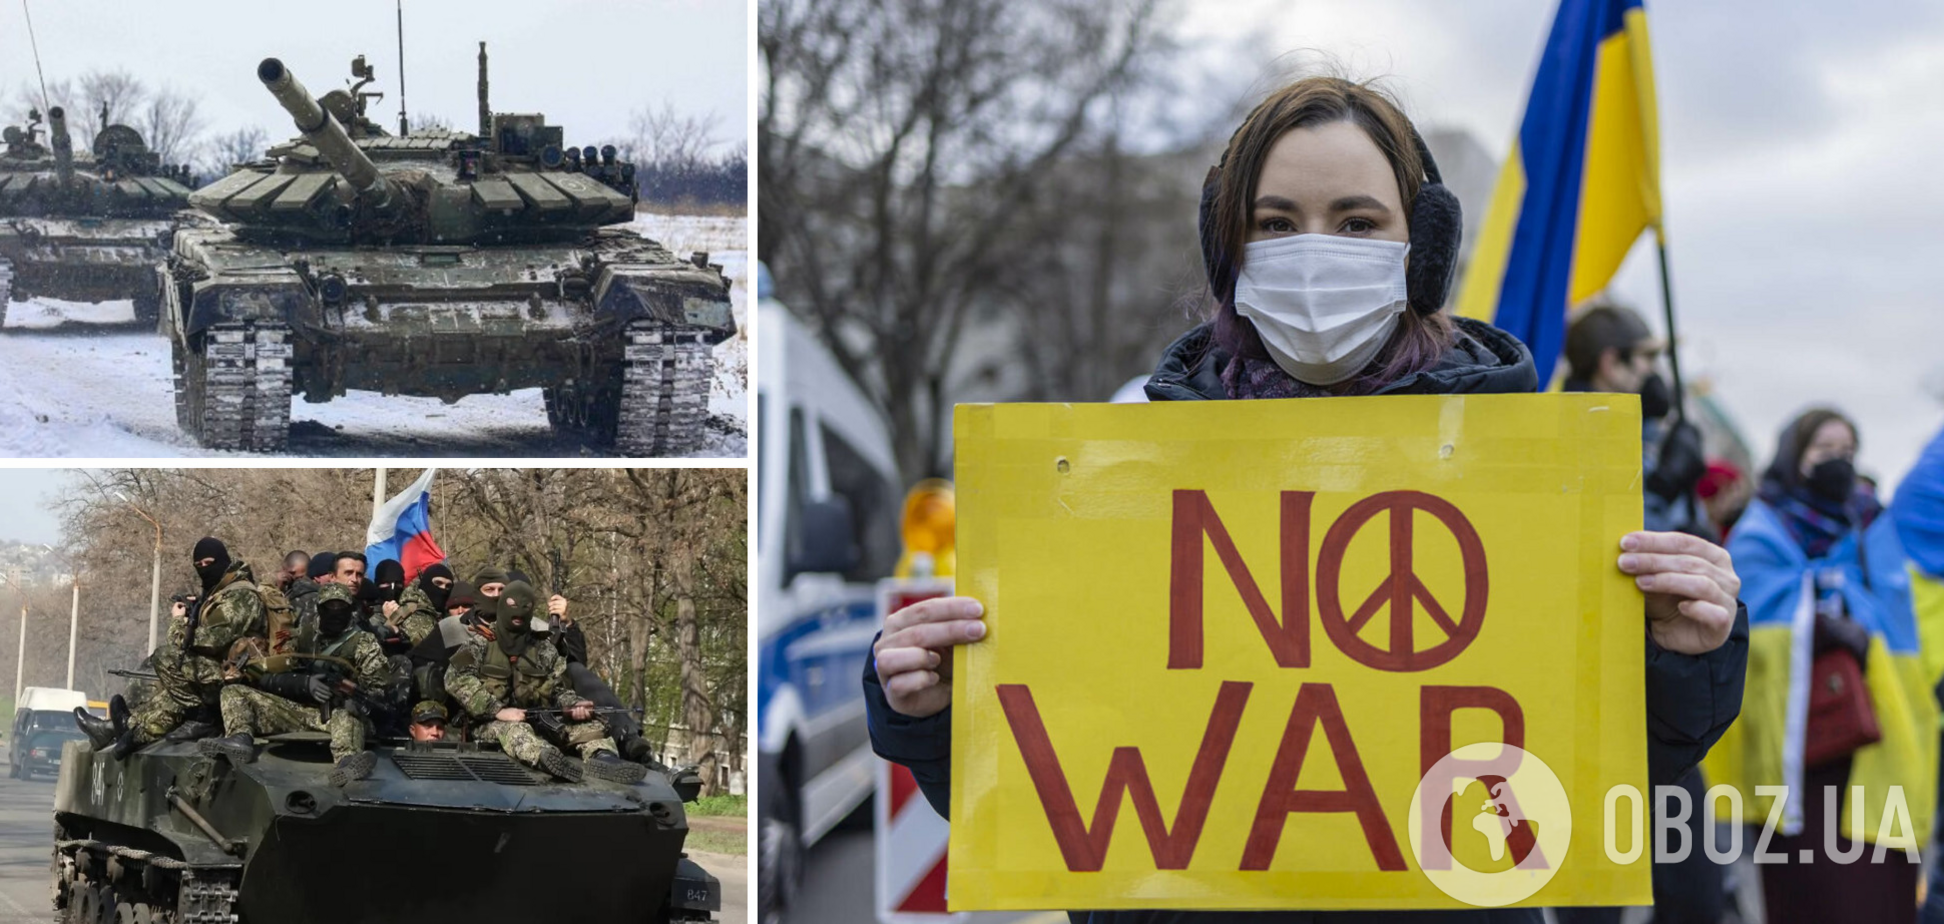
{"x": 26, "y": 849}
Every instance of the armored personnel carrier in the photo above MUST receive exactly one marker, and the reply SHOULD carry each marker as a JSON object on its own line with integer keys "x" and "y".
{"x": 86, "y": 226}
{"x": 440, "y": 832}
{"x": 436, "y": 263}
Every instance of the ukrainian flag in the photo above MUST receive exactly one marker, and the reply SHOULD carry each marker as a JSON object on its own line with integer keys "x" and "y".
{"x": 1581, "y": 183}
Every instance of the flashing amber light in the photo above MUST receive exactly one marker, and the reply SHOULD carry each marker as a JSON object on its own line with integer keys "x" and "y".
{"x": 930, "y": 518}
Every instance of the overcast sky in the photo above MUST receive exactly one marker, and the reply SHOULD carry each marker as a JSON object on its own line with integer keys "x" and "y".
{"x": 1800, "y": 151}
{"x": 27, "y": 498}
{"x": 585, "y": 64}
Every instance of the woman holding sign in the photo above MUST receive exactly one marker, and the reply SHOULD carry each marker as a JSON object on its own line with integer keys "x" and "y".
{"x": 1329, "y": 244}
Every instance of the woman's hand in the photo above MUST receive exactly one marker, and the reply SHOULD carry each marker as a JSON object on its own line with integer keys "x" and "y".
{"x": 1690, "y": 585}
{"x": 914, "y": 654}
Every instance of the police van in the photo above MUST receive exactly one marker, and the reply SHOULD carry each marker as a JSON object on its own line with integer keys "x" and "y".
{"x": 826, "y": 521}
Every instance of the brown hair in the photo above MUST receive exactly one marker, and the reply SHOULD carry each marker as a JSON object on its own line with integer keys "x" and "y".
{"x": 1419, "y": 340}
{"x": 1786, "y": 467}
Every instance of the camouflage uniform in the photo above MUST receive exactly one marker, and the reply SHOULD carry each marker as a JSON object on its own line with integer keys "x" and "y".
{"x": 416, "y": 616}
{"x": 303, "y": 604}
{"x": 189, "y": 672}
{"x": 536, "y": 680}
{"x": 261, "y": 713}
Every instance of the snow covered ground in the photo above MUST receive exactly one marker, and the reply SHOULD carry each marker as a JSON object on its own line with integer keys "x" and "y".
{"x": 84, "y": 380}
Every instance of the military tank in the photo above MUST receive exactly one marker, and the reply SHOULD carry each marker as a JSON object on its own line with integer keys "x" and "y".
{"x": 436, "y": 263}
{"x": 86, "y": 226}
{"x": 440, "y": 832}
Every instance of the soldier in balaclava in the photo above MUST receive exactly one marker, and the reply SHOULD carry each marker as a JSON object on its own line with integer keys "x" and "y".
{"x": 198, "y": 661}
{"x": 423, "y": 603}
{"x": 342, "y": 668}
{"x": 498, "y": 675}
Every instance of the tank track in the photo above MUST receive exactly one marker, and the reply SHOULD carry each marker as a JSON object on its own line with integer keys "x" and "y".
{"x": 235, "y": 394}
{"x": 97, "y": 883}
{"x": 665, "y": 377}
{"x": 6, "y": 288}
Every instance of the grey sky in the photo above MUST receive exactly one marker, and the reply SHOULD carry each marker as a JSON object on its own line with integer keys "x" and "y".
{"x": 27, "y": 496}
{"x": 587, "y": 64}
{"x": 1799, "y": 149}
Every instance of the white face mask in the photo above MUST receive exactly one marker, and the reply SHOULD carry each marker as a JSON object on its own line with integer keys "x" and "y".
{"x": 1322, "y": 304}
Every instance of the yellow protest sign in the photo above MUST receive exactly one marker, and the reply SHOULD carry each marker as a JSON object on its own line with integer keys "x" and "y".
{"x": 1301, "y": 654}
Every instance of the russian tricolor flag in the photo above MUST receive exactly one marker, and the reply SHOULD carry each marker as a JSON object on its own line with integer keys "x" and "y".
{"x": 401, "y": 530}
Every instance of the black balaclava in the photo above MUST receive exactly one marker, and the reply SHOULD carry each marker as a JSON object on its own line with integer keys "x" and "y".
{"x": 335, "y": 611}
{"x": 322, "y": 563}
{"x": 390, "y": 578}
{"x": 438, "y": 595}
{"x": 513, "y": 620}
{"x": 210, "y": 547}
{"x": 512, "y": 575}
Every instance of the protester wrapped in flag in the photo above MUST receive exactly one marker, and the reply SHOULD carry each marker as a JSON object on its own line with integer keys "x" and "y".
{"x": 1838, "y": 715}
{"x": 1580, "y": 184}
{"x": 401, "y": 531}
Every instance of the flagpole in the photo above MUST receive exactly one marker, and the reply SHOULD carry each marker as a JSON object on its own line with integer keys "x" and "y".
{"x": 378, "y": 476}
{"x": 1673, "y": 342}
{"x": 1673, "y": 352}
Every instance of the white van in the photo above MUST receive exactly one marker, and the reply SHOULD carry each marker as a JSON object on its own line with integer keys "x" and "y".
{"x": 827, "y": 530}
{"x": 43, "y": 721}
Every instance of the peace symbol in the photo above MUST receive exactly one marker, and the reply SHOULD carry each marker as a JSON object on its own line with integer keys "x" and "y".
{"x": 1401, "y": 586}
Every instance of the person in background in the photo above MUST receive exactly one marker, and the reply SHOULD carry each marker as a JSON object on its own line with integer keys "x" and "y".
{"x": 1826, "y": 582}
{"x": 1725, "y": 492}
{"x": 1610, "y": 349}
{"x": 1917, "y": 512}
{"x": 460, "y": 601}
{"x": 428, "y": 721}
{"x": 350, "y": 571}
{"x": 296, "y": 564}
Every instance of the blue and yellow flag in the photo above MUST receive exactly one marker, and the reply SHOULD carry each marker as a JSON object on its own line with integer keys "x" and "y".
{"x": 1581, "y": 183}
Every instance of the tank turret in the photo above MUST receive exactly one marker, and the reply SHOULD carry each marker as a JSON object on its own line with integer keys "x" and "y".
{"x": 438, "y": 263}
{"x": 63, "y": 145}
{"x": 84, "y": 225}
{"x": 322, "y": 130}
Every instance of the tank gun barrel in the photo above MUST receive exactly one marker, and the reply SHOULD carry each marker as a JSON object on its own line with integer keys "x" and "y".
{"x": 62, "y": 144}
{"x": 323, "y": 131}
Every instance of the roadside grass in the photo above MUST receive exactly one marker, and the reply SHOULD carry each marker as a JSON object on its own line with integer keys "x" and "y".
{"x": 720, "y": 805}
{"x": 730, "y": 842}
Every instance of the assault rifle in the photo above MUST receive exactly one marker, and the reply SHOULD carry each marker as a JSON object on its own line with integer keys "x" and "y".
{"x": 133, "y": 674}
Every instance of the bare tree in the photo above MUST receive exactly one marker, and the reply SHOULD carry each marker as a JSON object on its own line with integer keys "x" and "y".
{"x": 662, "y": 137}
{"x": 654, "y": 563}
{"x": 108, "y": 98}
{"x": 170, "y": 122}
{"x": 223, "y": 152}
{"x": 426, "y": 121}
{"x": 898, "y": 144}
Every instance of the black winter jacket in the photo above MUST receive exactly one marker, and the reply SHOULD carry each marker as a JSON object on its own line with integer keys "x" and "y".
{"x": 1690, "y": 699}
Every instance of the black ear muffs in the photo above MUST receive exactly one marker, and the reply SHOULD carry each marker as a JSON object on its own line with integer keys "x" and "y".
{"x": 1437, "y": 229}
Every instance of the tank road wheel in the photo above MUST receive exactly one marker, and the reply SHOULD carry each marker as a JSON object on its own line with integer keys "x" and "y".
{"x": 585, "y": 412}
{"x": 665, "y": 377}
{"x": 235, "y": 392}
